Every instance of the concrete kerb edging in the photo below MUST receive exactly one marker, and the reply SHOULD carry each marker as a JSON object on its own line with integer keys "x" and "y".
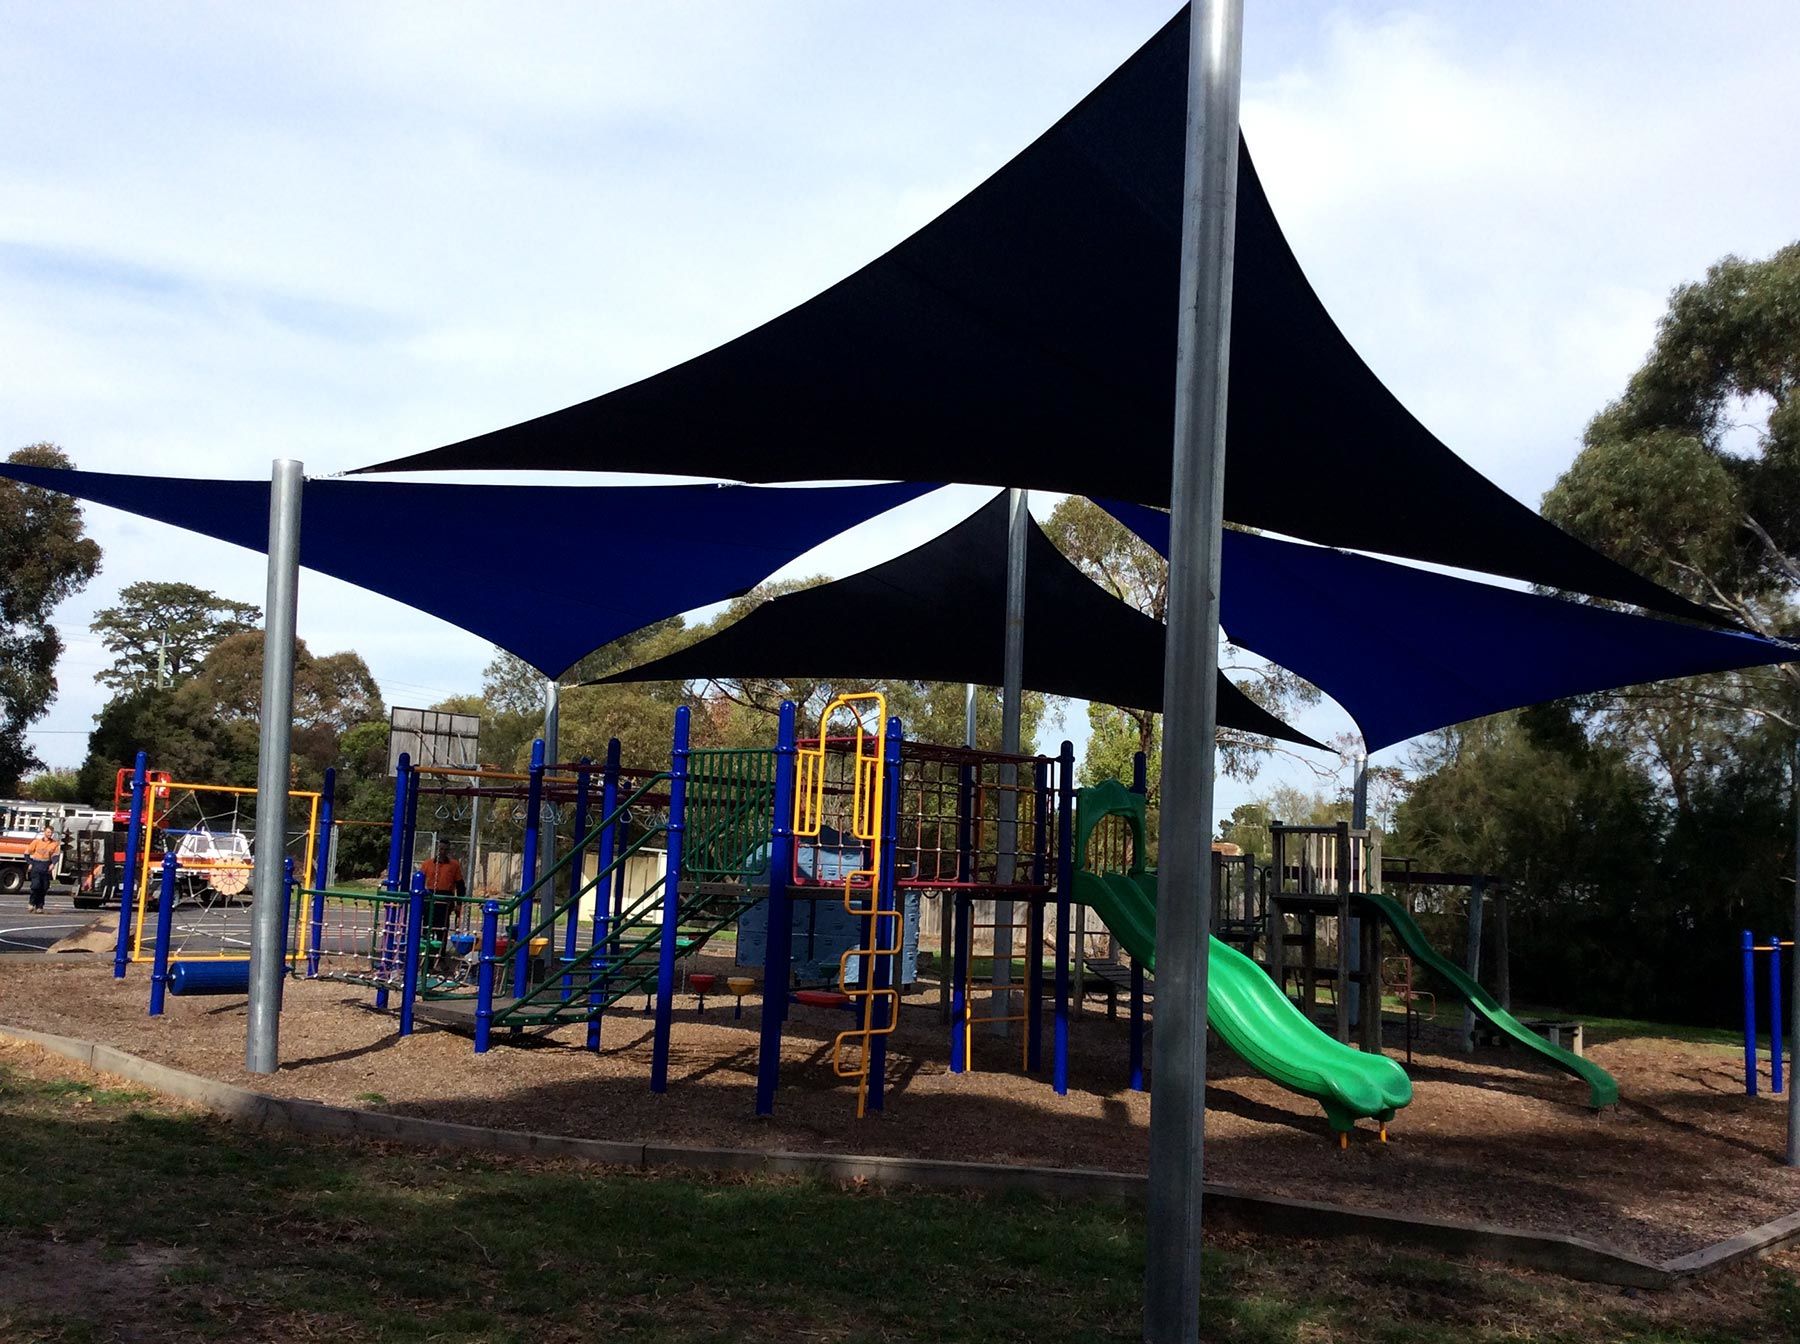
{"x": 1571, "y": 1257}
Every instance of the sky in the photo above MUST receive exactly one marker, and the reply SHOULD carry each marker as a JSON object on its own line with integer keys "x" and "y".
{"x": 343, "y": 232}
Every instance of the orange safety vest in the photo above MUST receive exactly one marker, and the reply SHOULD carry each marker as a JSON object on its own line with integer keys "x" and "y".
{"x": 43, "y": 850}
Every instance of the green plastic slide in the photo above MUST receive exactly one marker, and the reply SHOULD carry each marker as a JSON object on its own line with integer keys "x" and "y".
{"x": 1253, "y": 1016}
{"x": 1603, "y": 1089}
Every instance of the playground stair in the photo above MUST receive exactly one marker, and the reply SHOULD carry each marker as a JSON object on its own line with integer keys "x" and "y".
{"x": 625, "y": 958}
{"x": 579, "y": 989}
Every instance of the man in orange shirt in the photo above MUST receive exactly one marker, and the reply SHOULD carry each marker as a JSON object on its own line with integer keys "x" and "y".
{"x": 443, "y": 877}
{"x": 41, "y": 854}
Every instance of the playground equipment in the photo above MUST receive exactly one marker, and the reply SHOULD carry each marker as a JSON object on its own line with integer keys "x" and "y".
{"x": 1771, "y": 952}
{"x": 1246, "y": 1007}
{"x": 196, "y": 835}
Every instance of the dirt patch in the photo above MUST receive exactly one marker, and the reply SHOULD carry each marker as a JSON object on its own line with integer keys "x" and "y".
{"x": 121, "y": 1291}
{"x": 1686, "y": 1160}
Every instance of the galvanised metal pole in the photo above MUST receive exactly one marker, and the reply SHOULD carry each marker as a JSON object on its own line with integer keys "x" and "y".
{"x": 1793, "y": 1134}
{"x": 1012, "y": 690}
{"x": 267, "y": 936}
{"x": 1359, "y": 821}
{"x": 135, "y": 838}
{"x": 1190, "y": 672}
{"x": 528, "y": 869}
{"x": 547, "y": 822}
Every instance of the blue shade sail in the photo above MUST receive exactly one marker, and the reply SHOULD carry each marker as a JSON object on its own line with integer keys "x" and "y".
{"x": 549, "y": 573}
{"x": 1405, "y": 651}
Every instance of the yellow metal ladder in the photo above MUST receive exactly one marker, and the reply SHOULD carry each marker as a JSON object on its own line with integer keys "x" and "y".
{"x": 862, "y": 886}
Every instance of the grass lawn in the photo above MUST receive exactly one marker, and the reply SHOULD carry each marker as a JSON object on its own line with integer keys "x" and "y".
{"x": 124, "y": 1217}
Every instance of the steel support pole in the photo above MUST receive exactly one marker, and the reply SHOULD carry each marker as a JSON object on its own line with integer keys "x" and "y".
{"x": 1793, "y": 1134}
{"x": 1190, "y": 673}
{"x": 1012, "y": 690}
{"x": 547, "y": 810}
{"x": 267, "y": 934}
{"x": 1359, "y": 821}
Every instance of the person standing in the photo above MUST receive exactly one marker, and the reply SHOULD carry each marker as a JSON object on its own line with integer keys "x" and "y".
{"x": 443, "y": 878}
{"x": 41, "y": 854}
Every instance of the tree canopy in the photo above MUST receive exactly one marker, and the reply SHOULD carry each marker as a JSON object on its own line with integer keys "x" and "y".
{"x": 160, "y": 632}
{"x": 45, "y": 556}
{"x": 1121, "y": 562}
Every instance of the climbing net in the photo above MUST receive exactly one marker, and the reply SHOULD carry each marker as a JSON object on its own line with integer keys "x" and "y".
{"x": 211, "y": 831}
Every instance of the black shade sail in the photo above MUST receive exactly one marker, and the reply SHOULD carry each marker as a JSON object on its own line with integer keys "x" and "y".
{"x": 937, "y": 613}
{"x": 1026, "y": 337}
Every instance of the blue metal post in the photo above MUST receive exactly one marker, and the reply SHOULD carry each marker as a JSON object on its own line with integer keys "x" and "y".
{"x": 134, "y": 853}
{"x": 397, "y": 832}
{"x": 289, "y": 939}
{"x": 415, "y": 937}
{"x": 883, "y": 972}
{"x": 165, "y": 914}
{"x": 1065, "y": 883}
{"x": 779, "y": 948}
{"x": 484, "y": 975}
{"x": 671, "y": 907}
{"x": 1775, "y": 1079}
{"x": 599, "y": 955}
{"x": 1749, "y": 946}
{"x": 534, "y": 801}
{"x": 1034, "y": 952}
{"x": 315, "y": 928}
{"x": 411, "y": 837}
{"x": 1140, "y": 777}
{"x": 572, "y": 918}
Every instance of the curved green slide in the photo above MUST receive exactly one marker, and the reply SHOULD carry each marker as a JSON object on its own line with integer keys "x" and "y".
{"x": 1603, "y": 1089}
{"x": 1253, "y": 1016}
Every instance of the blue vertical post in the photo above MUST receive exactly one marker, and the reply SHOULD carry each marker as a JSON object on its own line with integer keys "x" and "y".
{"x": 1749, "y": 946}
{"x": 397, "y": 834}
{"x": 409, "y": 853}
{"x": 165, "y": 914}
{"x": 572, "y": 919}
{"x": 1034, "y": 959}
{"x": 604, "y": 859}
{"x": 884, "y": 972}
{"x": 671, "y": 907}
{"x": 289, "y": 939}
{"x": 484, "y": 974}
{"x": 1137, "y": 1025}
{"x": 315, "y": 925}
{"x": 134, "y": 853}
{"x": 1065, "y": 883}
{"x": 534, "y": 802}
{"x": 778, "y": 950}
{"x": 412, "y": 952}
{"x": 1775, "y": 1079}
{"x": 1140, "y": 779}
